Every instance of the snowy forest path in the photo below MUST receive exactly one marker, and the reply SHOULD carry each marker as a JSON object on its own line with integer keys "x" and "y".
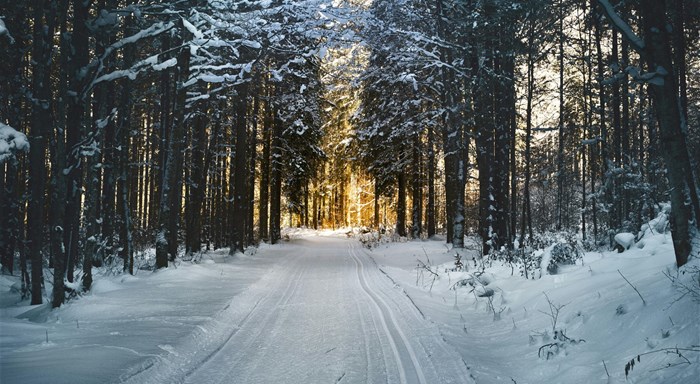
{"x": 324, "y": 314}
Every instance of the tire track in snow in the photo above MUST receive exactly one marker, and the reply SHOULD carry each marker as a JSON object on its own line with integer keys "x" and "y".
{"x": 394, "y": 333}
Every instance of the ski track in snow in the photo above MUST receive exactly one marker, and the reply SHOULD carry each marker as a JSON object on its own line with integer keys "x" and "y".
{"x": 325, "y": 314}
{"x": 416, "y": 374}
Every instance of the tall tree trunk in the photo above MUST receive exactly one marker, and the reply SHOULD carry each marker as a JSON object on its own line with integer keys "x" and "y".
{"x": 417, "y": 189}
{"x": 250, "y": 236}
{"x": 201, "y": 159}
{"x": 74, "y": 132}
{"x": 122, "y": 171}
{"x": 484, "y": 121}
{"x": 504, "y": 102}
{"x": 453, "y": 145}
{"x": 401, "y": 205}
{"x": 264, "y": 186}
{"x": 430, "y": 211}
{"x": 560, "y": 152}
{"x": 240, "y": 173}
{"x": 616, "y": 103}
{"x": 658, "y": 56}
{"x": 376, "y": 203}
{"x": 602, "y": 122}
{"x": 678, "y": 13}
{"x": 526, "y": 220}
{"x": 276, "y": 182}
{"x": 124, "y": 183}
{"x": 169, "y": 212}
{"x": 41, "y": 127}
{"x": 58, "y": 164}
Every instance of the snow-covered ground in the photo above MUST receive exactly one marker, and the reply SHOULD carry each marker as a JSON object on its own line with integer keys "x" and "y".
{"x": 123, "y": 322}
{"x": 321, "y": 308}
{"x": 597, "y": 308}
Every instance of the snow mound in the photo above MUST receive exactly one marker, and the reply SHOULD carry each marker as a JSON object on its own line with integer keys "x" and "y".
{"x": 625, "y": 239}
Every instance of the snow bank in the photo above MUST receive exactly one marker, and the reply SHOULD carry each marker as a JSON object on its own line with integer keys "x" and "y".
{"x": 502, "y": 324}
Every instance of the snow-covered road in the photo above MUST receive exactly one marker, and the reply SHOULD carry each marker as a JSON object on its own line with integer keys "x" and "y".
{"x": 324, "y": 314}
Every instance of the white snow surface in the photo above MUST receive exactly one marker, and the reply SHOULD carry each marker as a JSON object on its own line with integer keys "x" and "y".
{"x": 320, "y": 308}
{"x": 625, "y": 239}
{"x": 599, "y": 307}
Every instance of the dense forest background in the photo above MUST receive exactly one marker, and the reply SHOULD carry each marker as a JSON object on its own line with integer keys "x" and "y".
{"x": 189, "y": 125}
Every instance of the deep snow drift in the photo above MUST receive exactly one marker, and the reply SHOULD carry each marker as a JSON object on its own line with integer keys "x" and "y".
{"x": 171, "y": 323}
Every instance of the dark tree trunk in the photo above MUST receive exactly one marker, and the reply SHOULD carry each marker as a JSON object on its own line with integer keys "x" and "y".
{"x": 250, "y": 236}
{"x": 430, "y": 211}
{"x": 484, "y": 118}
{"x": 124, "y": 183}
{"x": 74, "y": 132}
{"x": 122, "y": 171}
{"x": 240, "y": 173}
{"x": 376, "y": 203}
{"x": 526, "y": 217}
{"x": 417, "y": 189}
{"x": 276, "y": 182}
{"x": 401, "y": 205}
{"x": 616, "y": 102}
{"x": 453, "y": 145}
{"x": 41, "y": 127}
{"x": 505, "y": 110}
{"x": 264, "y": 186}
{"x": 170, "y": 204}
{"x": 58, "y": 164}
{"x": 201, "y": 159}
{"x": 602, "y": 122}
{"x": 658, "y": 56}
{"x": 560, "y": 152}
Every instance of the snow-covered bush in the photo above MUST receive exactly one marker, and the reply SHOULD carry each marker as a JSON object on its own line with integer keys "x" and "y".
{"x": 544, "y": 253}
{"x": 567, "y": 252}
{"x": 373, "y": 238}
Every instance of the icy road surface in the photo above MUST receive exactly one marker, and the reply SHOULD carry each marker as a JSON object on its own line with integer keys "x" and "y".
{"x": 323, "y": 314}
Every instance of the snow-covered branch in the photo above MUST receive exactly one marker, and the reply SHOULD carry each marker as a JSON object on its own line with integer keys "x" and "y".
{"x": 11, "y": 141}
{"x": 624, "y": 28}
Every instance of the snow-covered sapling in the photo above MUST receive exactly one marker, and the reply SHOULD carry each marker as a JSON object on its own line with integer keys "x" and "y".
{"x": 492, "y": 308}
{"x": 561, "y": 340}
{"x": 422, "y": 267}
{"x": 633, "y": 287}
{"x": 554, "y": 310}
